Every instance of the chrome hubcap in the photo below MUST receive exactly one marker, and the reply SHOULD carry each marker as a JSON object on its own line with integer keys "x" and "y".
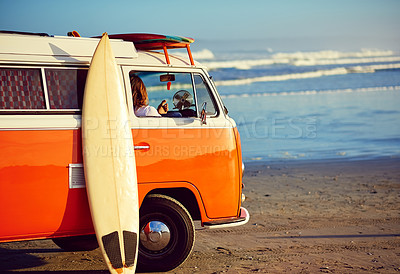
{"x": 155, "y": 235}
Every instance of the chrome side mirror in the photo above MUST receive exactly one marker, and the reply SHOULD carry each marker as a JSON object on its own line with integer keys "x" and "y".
{"x": 203, "y": 114}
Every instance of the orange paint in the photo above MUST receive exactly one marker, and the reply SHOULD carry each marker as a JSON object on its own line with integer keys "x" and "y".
{"x": 190, "y": 54}
{"x": 206, "y": 158}
{"x": 36, "y": 201}
{"x": 166, "y": 54}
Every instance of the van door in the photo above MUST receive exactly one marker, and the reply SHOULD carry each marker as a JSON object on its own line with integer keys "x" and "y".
{"x": 178, "y": 147}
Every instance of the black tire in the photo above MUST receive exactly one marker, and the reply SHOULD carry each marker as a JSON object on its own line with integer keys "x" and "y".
{"x": 77, "y": 243}
{"x": 169, "y": 251}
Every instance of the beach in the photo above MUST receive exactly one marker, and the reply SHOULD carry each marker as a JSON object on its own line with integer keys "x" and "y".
{"x": 327, "y": 216}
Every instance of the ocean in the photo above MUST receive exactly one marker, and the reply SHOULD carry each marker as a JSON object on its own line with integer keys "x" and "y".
{"x": 310, "y": 105}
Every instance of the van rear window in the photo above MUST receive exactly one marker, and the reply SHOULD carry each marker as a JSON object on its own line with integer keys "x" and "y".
{"x": 21, "y": 89}
{"x": 65, "y": 88}
{"x": 24, "y": 89}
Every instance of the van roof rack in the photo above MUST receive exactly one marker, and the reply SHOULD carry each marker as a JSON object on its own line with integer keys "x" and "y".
{"x": 146, "y": 41}
{"x": 25, "y": 33}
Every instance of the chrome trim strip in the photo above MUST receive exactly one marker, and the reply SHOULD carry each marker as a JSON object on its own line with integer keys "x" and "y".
{"x": 141, "y": 147}
{"x": 244, "y": 216}
{"x": 44, "y": 84}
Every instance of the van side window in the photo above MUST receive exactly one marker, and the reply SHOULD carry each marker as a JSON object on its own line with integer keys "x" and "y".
{"x": 175, "y": 88}
{"x": 65, "y": 87}
{"x": 21, "y": 89}
{"x": 204, "y": 96}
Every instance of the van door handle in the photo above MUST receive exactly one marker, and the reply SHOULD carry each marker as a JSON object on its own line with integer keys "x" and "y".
{"x": 142, "y": 146}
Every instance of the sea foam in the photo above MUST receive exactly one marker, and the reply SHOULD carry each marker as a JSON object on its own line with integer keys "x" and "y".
{"x": 309, "y": 74}
{"x": 307, "y": 59}
{"x": 204, "y": 54}
{"x": 332, "y": 54}
{"x": 310, "y": 92}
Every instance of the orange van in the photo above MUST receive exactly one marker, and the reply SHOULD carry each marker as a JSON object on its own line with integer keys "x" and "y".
{"x": 189, "y": 166}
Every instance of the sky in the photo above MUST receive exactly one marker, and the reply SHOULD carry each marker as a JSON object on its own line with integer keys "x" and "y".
{"x": 337, "y": 24}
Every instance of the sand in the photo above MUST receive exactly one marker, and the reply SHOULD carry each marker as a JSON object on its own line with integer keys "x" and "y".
{"x": 306, "y": 217}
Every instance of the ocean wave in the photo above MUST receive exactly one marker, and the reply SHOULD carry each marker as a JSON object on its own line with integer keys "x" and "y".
{"x": 310, "y": 92}
{"x": 315, "y": 62}
{"x": 243, "y": 64}
{"x": 308, "y": 59}
{"x": 309, "y": 74}
{"x": 204, "y": 54}
{"x": 332, "y": 54}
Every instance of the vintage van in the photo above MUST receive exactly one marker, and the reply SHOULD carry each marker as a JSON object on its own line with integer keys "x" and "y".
{"x": 189, "y": 168}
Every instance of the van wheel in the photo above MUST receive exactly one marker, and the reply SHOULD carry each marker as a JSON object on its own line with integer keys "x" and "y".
{"x": 166, "y": 234}
{"x": 77, "y": 243}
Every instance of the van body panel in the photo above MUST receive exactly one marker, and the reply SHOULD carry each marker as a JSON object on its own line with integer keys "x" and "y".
{"x": 67, "y": 51}
{"x": 60, "y": 46}
{"x": 34, "y": 171}
{"x": 34, "y": 191}
{"x": 205, "y": 158}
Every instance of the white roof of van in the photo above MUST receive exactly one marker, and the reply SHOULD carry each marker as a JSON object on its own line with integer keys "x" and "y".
{"x": 36, "y": 49}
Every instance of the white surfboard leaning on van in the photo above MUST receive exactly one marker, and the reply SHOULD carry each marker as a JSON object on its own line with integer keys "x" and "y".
{"x": 111, "y": 178}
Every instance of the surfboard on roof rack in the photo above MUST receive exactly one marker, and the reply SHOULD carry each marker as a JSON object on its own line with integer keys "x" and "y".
{"x": 147, "y": 41}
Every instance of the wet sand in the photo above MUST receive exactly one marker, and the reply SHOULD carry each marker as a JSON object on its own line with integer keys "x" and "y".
{"x": 306, "y": 217}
